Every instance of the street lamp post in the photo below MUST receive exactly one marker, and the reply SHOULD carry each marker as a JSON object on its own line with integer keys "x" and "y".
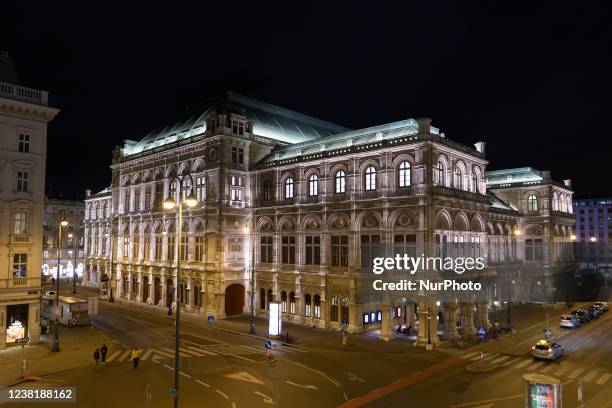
{"x": 62, "y": 223}
{"x": 170, "y": 204}
{"x": 74, "y": 237}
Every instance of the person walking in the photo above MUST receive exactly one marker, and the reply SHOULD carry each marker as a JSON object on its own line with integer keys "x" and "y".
{"x": 103, "y": 352}
{"x": 135, "y": 357}
{"x": 96, "y": 356}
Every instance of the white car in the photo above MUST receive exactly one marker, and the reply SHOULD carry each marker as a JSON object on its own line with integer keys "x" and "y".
{"x": 547, "y": 350}
{"x": 569, "y": 321}
{"x": 601, "y": 305}
{"x": 50, "y": 293}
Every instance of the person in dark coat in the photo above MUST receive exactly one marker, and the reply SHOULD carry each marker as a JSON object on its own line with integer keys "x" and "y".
{"x": 96, "y": 356}
{"x": 103, "y": 352}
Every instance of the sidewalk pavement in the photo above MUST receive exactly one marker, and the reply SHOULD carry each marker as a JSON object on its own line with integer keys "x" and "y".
{"x": 76, "y": 350}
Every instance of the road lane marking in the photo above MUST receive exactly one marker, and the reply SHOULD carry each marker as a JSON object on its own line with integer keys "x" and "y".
{"x": 499, "y": 360}
{"x": 113, "y": 356}
{"x": 470, "y": 355}
{"x": 196, "y": 352}
{"x": 184, "y": 374}
{"x": 523, "y": 363}
{"x": 291, "y": 349}
{"x": 253, "y": 348}
{"x": 603, "y": 379}
{"x": 575, "y": 373}
{"x": 266, "y": 399}
{"x": 168, "y": 367}
{"x": 224, "y": 395}
{"x": 345, "y": 396}
{"x": 514, "y": 360}
{"x": 560, "y": 371}
{"x": 477, "y": 403}
{"x": 590, "y": 375}
{"x": 244, "y": 376}
{"x": 181, "y": 353}
{"x": 203, "y": 383}
{"x": 354, "y": 377}
{"x": 480, "y": 356}
{"x": 548, "y": 368}
{"x": 306, "y": 386}
{"x": 535, "y": 366}
{"x": 163, "y": 353}
{"x": 588, "y": 340}
{"x": 413, "y": 378}
{"x": 147, "y": 354}
{"x": 200, "y": 350}
{"x": 125, "y": 356}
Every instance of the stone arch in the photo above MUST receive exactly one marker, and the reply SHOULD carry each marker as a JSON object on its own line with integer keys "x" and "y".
{"x": 170, "y": 171}
{"x": 147, "y": 176}
{"x": 198, "y": 165}
{"x": 158, "y": 173}
{"x": 135, "y": 178}
{"x": 499, "y": 229}
{"x": 369, "y": 220}
{"x": 402, "y": 218}
{"x": 337, "y": 167}
{"x": 197, "y": 225}
{"x": 265, "y": 225}
{"x": 490, "y": 228}
{"x": 157, "y": 227}
{"x": 145, "y": 227}
{"x": 286, "y": 224}
{"x": 443, "y": 220}
{"x": 125, "y": 181}
{"x": 339, "y": 221}
{"x": 477, "y": 224}
{"x": 183, "y": 168}
{"x": 135, "y": 228}
{"x": 169, "y": 227}
{"x": 461, "y": 222}
{"x": 311, "y": 222}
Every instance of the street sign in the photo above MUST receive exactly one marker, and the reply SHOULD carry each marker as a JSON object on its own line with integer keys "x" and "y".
{"x": 211, "y": 320}
{"x": 23, "y": 340}
{"x": 268, "y": 344}
{"x": 172, "y": 392}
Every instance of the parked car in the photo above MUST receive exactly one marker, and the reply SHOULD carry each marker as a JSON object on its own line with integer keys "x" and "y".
{"x": 593, "y": 312}
{"x": 50, "y": 293}
{"x": 582, "y": 314}
{"x": 569, "y": 321}
{"x": 547, "y": 350}
{"x": 601, "y": 305}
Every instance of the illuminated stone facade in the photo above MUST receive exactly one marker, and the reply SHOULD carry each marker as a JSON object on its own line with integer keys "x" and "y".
{"x": 315, "y": 201}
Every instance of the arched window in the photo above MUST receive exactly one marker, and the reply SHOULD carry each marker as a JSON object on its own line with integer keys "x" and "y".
{"x": 284, "y": 301}
{"x": 569, "y": 205}
{"x": 457, "y": 180}
{"x": 439, "y": 174}
{"x": 313, "y": 185}
{"x": 474, "y": 186}
{"x": 532, "y": 203}
{"x": 333, "y": 311}
{"x": 173, "y": 191}
{"x": 292, "y": 303}
{"x": 340, "y": 182}
{"x": 555, "y": 203}
{"x": 308, "y": 305}
{"x": 289, "y": 188}
{"x": 370, "y": 179}
{"x": 404, "y": 174}
{"x": 317, "y": 307}
{"x": 267, "y": 190}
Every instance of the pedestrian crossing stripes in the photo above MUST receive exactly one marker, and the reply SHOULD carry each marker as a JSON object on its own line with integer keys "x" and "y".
{"x": 569, "y": 371}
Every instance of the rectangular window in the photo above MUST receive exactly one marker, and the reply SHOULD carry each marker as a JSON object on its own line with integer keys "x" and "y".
{"x": 147, "y": 200}
{"x": 339, "y": 250}
{"x": 404, "y": 244}
{"x": 104, "y": 245}
{"x": 135, "y": 247}
{"x": 184, "y": 248}
{"x": 158, "y": 248}
{"x": 235, "y": 194}
{"x": 237, "y": 127}
{"x": 199, "y": 249}
{"x": 200, "y": 190}
{"x": 22, "y": 181}
{"x": 370, "y": 249}
{"x": 240, "y": 156}
{"x": 308, "y": 310}
{"x": 313, "y": 250}
{"x": 234, "y": 154}
{"x": 137, "y": 199}
{"x": 266, "y": 249}
{"x": 24, "y": 143}
{"x": 237, "y": 181}
{"x": 159, "y": 195}
{"x": 288, "y": 250}
{"x": 171, "y": 249}
{"x": 126, "y": 246}
{"x": 20, "y": 265}
{"x": 21, "y": 225}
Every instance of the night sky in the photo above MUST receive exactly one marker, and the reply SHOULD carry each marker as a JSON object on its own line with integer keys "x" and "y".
{"x": 531, "y": 80}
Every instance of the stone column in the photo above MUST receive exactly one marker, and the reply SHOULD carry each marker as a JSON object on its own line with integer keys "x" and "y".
{"x": 387, "y": 331}
{"x": 130, "y": 286}
{"x": 468, "y": 314}
{"x": 189, "y": 304}
{"x": 33, "y": 323}
{"x": 151, "y": 298}
{"x": 163, "y": 301}
{"x": 410, "y": 320}
{"x": 450, "y": 320}
{"x": 424, "y": 337}
{"x": 175, "y": 292}
{"x": 140, "y": 294}
{"x": 483, "y": 315}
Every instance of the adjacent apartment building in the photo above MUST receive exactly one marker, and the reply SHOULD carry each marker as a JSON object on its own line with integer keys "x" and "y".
{"x": 294, "y": 209}
{"x": 24, "y": 114}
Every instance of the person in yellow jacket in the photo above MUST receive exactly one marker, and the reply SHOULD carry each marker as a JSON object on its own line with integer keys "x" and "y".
{"x": 135, "y": 356}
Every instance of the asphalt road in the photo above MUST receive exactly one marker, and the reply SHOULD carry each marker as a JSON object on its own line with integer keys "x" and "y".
{"x": 223, "y": 369}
